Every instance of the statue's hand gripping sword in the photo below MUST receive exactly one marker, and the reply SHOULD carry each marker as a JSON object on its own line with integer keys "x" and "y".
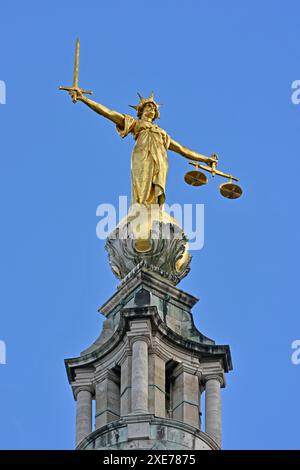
{"x": 75, "y": 86}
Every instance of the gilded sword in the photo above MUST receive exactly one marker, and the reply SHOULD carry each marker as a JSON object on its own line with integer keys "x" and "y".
{"x": 75, "y": 86}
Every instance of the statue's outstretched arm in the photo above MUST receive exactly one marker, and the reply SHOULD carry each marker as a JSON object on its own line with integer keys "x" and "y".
{"x": 113, "y": 116}
{"x": 190, "y": 154}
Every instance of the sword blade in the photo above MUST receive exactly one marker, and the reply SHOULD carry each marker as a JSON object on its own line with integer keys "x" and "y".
{"x": 76, "y": 65}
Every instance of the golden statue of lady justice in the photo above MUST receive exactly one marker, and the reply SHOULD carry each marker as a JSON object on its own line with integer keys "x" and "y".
{"x": 149, "y": 166}
{"x": 149, "y": 160}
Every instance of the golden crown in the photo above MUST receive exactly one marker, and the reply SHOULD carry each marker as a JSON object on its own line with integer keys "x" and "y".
{"x": 139, "y": 107}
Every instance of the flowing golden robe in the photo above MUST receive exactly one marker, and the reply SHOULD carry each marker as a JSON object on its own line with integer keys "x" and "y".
{"x": 149, "y": 160}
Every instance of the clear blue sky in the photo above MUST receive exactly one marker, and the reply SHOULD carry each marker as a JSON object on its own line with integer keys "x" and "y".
{"x": 223, "y": 71}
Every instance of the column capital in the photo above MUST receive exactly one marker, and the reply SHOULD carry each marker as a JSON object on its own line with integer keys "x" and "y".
{"x": 132, "y": 338}
{"x": 83, "y": 388}
{"x": 219, "y": 377}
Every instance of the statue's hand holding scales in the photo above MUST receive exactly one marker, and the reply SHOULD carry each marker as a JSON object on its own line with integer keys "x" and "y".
{"x": 149, "y": 161}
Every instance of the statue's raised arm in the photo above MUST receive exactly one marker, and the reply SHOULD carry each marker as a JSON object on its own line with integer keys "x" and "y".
{"x": 77, "y": 94}
{"x": 113, "y": 116}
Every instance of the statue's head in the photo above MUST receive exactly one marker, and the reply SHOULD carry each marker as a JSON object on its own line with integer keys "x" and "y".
{"x": 147, "y": 107}
{"x": 149, "y": 110}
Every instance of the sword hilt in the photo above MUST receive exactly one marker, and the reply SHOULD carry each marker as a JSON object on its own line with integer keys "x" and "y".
{"x": 72, "y": 88}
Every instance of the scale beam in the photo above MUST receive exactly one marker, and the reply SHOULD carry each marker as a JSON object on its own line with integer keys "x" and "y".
{"x": 214, "y": 171}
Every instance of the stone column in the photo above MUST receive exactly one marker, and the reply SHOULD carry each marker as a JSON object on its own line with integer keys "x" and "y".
{"x": 213, "y": 407}
{"x": 139, "y": 376}
{"x": 84, "y": 398}
{"x": 107, "y": 397}
{"x": 186, "y": 395}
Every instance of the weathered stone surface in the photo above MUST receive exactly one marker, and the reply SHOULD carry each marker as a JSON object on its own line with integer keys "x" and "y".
{"x": 139, "y": 383}
{"x": 152, "y": 433}
{"x": 83, "y": 415}
{"x": 125, "y": 392}
{"x": 138, "y": 430}
{"x": 173, "y": 306}
{"x": 107, "y": 398}
{"x": 157, "y": 376}
{"x": 213, "y": 408}
{"x": 147, "y": 377}
{"x": 186, "y": 401}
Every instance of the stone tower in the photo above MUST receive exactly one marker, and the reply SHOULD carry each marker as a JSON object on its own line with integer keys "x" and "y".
{"x": 152, "y": 374}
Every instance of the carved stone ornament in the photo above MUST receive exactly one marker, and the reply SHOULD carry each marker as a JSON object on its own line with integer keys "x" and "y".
{"x": 151, "y": 237}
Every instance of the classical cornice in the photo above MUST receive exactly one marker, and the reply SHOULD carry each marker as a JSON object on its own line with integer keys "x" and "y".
{"x": 220, "y": 353}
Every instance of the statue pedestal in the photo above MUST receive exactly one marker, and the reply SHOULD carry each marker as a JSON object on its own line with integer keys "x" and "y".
{"x": 152, "y": 237}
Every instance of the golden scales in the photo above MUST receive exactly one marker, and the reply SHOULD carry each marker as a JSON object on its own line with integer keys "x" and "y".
{"x": 229, "y": 189}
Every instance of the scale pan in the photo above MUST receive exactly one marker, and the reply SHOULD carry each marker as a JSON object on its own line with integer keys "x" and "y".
{"x": 230, "y": 190}
{"x": 195, "y": 178}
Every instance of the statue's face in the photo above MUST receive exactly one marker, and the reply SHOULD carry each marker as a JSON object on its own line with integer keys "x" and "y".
{"x": 149, "y": 111}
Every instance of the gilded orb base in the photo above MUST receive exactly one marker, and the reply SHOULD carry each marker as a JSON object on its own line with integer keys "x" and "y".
{"x": 150, "y": 236}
